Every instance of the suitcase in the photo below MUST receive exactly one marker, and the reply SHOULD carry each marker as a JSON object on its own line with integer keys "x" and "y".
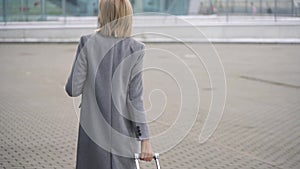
{"x": 155, "y": 156}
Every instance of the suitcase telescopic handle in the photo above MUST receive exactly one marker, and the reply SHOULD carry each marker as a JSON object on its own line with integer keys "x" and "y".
{"x": 155, "y": 157}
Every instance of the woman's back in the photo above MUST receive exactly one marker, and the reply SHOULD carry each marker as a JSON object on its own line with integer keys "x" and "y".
{"x": 108, "y": 73}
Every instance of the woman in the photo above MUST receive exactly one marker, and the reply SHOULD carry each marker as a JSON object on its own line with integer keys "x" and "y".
{"x": 107, "y": 73}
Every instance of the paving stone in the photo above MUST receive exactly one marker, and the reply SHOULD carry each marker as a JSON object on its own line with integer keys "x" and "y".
{"x": 259, "y": 128}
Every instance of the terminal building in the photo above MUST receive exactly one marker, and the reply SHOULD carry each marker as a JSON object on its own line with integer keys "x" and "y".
{"x": 175, "y": 7}
{"x": 28, "y": 10}
{"x": 192, "y": 7}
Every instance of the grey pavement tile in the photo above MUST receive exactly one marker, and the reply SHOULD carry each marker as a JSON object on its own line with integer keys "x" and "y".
{"x": 259, "y": 129}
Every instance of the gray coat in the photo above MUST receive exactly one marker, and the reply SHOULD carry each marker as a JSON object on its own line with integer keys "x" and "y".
{"x": 107, "y": 74}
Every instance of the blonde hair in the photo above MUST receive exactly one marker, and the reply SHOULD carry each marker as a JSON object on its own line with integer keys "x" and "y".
{"x": 115, "y": 18}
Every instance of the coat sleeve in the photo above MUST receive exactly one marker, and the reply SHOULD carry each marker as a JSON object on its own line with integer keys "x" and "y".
{"x": 136, "y": 109}
{"x": 78, "y": 73}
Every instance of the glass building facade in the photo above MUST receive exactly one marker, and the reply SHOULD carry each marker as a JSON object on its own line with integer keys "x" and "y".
{"x": 174, "y": 7}
{"x": 35, "y": 10}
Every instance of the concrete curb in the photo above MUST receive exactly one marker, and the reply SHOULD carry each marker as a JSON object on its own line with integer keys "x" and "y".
{"x": 157, "y": 40}
{"x": 162, "y": 29}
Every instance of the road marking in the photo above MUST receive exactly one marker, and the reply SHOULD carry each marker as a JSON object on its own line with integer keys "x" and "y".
{"x": 269, "y": 82}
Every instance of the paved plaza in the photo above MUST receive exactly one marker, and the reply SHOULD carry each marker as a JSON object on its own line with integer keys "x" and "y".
{"x": 259, "y": 128}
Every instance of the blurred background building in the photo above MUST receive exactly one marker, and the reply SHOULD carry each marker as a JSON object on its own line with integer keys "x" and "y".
{"x": 218, "y": 20}
{"x": 39, "y": 10}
